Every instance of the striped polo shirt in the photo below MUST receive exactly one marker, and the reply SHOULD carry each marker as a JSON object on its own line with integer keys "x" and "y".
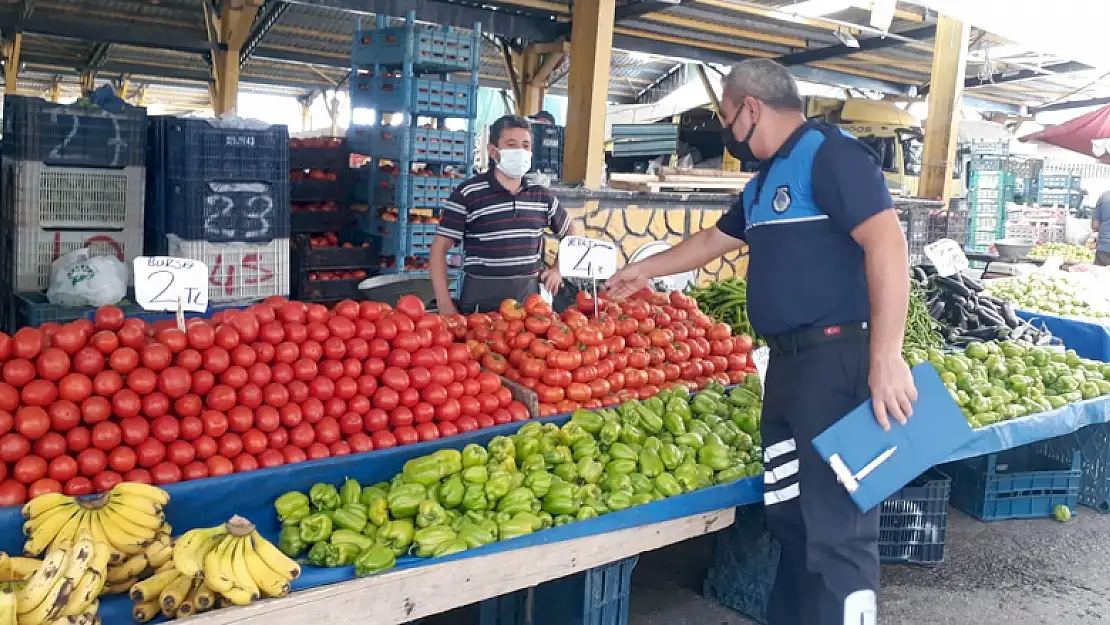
{"x": 502, "y": 233}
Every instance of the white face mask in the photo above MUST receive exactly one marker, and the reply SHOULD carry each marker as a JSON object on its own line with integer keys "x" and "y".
{"x": 514, "y": 162}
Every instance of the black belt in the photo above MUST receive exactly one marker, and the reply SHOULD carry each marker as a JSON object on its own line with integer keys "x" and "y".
{"x": 794, "y": 342}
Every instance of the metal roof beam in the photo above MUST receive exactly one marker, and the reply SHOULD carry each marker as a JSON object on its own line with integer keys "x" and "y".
{"x": 97, "y": 57}
{"x": 999, "y": 77}
{"x": 123, "y": 33}
{"x": 1073, "y": 104}
{"x": 865, "y": 45}
{"x": 505, "y": 20}
{"x": 636, "y": 8}
{"x": 269, "y": 15}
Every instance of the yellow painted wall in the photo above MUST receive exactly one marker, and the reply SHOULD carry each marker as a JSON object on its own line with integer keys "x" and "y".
{"x": 634, "y": 226}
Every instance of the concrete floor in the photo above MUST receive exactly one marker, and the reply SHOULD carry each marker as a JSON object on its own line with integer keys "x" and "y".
{"x": 1010, "y": 572}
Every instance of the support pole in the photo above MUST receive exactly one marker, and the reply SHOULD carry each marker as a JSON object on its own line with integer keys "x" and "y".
{"x": 946, "y": 89}
{"x": 228, "y": 31}
{"x": 56, "y": 90}
{"x": 88, "y": 82}
{"x": 592, "y": 43}
{"x": 306, "y": 112}
{"x": 12, "y": 49}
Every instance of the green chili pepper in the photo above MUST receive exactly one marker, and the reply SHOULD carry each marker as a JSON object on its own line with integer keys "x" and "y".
{"x": 350, "y": 492}
{"x": 474, "y": 456}
{"x": 292, "y": 507}
{"x": 289, "y": 541}
{"x": 450, "y": 492}
{"x": 405, "y": 500}
{"x": 324, "y": 497}
{"x": 376, "y": 559}
{"x": 428, "y": 540}
{"x": 351, "y": 517}
{"x": 429, "y": 513}
{"x": 316, "y": 527}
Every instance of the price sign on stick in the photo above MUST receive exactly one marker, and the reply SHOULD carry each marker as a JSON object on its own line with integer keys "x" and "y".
{"x": 947, "y": 257}
{"x": 582, "y": 257}
{"x": 165, "y": 283}
{"x": 761, "y": 357}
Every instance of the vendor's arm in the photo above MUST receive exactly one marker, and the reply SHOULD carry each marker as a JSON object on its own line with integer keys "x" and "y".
{"x": 1101, "y": 213}
{"x": 452, "y": 227}
{"x": 692, "y": 253}
{"x": 850, "y": 189}
{"x": 561, "y": 225}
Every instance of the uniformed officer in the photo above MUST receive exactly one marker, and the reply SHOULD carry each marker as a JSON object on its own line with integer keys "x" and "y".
{"x": 828, "y": 288}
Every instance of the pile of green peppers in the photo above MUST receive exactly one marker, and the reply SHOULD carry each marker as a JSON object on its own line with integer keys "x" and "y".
{"x": 543, "y": 476}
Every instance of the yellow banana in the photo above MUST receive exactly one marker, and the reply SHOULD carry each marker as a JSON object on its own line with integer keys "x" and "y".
{"x": 139, "y": 504}
{"x": 188, "y": 605}
{"x": 271, "y": 583}
{"x": 274, "y": 558}
{"x": 41, "y": 536}
{"x": 46, "y": 577}
{"x": 120, "y": 587}
{"x": 157, "y": 555}
{"x": 92, "y": 609}
{"x": 166, "y": 529}
{"x": 41, "y": 541}
{"x": 135, "y": 521}
{"x": 206, "y": 597}
{"x": 5, "y": 565}
{"x": 99, "y": 536}
{"x": 219, "y": 575}
{"x": 121, "y": 538}
{"x": 175, "y": 593}
{"x": 144, "y": 612}
{"x": 166, "y": 566}
{"x": 45, "y": 502}
{"x": 239, "y": 566}
{"x": 150, "y": 588}
{"x": 80, "y": 556}
{"x": 86, "y": 590}
{"x": 34, "y": 523}
{"x": 8, "y": 612}
{"x": 130, "y": 568}
{"x": 23, "y": 568}
{"x": 146, "y": 491}
{"x": 192, "y": 547}
{"x": 51, "y": 605}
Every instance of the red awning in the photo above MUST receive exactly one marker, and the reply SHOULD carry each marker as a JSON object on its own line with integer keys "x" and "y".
{"x": 1077, "y": 134}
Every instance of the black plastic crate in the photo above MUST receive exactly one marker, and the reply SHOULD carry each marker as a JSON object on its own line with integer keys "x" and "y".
{"x": 305, "y": 222}
{"x": 600, "y": 596}
{"x": 333, "y": 158}
{"x": 227, "y": 212}
{"x": 324, "y": 258}
{"x": 320, "y": 190}
{"x": 327, "y": 290}
{"x": 195, "y": 149}
{"x": 547, "y": 149}
{"x": 72, "y": 135}
{"x": 913, "y": 523}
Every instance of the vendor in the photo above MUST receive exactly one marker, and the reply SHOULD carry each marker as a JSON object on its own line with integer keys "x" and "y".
{"x": 1100, "y": 227}
{"x": 543, "y": 118}
{"x": 500, "y": 218}
{"x": 828, "y": 290}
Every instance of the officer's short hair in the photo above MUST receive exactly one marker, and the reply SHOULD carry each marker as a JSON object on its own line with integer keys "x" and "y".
{"x": 766, "y": 81}
{"x": 504, "y": 123}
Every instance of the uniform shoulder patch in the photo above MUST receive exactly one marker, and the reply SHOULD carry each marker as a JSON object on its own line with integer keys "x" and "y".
{"x": 781, "y": 201}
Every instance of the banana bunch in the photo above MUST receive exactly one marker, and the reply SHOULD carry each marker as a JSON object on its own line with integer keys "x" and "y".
{"x": 235, "y": 561}
{"x": 172, "y": 595}
{"x": 63, "y": 589}
{"x": 128, "y": 518}
{"x": 156, "y": 557}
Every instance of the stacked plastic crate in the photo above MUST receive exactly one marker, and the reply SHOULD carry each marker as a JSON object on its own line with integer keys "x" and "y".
{"x": 547, "y": 150}
{"x": 331, "y": 255}
{"x": 1054, "y": 189}
{"x": 990, "y": 188}
{"x": 218, "y": 192}
{"x": 72, "y": 178}
{"x": 409, "y": 74}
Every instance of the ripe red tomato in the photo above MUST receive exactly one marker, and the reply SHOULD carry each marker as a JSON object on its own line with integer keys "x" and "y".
{"x": 32, "y": 422}
{"x": 52, "y": 364}
{"x": 375, "y": 420}
{"x": 89, "y": 462}
{"x": 9, "y": 397}
{"x": 75, "y": 387}
{"x": 449, "y": 410}
{"x": 293, "y": 454}
{"x": 278, "y": 439}
{"x": 206, "y": 447}
{"x": 180, "y": 453}
{"x": 50, "y": 446}
{"x": 39, "y": 393}
{"x": 18, "y": 372}
{"x": 405, "y": 435}
{"x": 313, "y": 410}
{"x": 62, "y": 468}
{"x": 106, "y": 435}
{"x": 165, "y": 473}
{"x": 254, "y": 441}
{"x": 77, "y": 440}
{"x": 327, "y": 431}
{"x": 188, "y": 405}
{"x": 219, "y": 465}
{"x": 332, "y": 369}
{"x": 270, "y": 458}
{"x": 245, "y": 462}
{"x": 427, "y": 431}
{"x": 194, "y": 471}
{"x": 302, "y": 435}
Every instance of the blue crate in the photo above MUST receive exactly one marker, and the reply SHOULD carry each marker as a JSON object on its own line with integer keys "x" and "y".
{"x": 225, "y": 212}
{"x": 425, "y": 48}
{"x": 599, "y": 596}
{"x": 405, "y": 239}
{"x": 409, "y": 190}
{"x": 33, "y": 310}
{"x": 411, "y": 145}
{"x": 1059, "y": 181}
{"x": 1093, "y": 445}
{"x": 73, "y": 136}
{"x": 1016, "y": 484}
{"x": 195, "y": 149}
{"x": 415, "y": 95}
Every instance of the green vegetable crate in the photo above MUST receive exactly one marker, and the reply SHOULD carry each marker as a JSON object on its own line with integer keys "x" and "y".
{"x": 599, "y": 596}
{"x": 1019, "y": 483}
{"x": 913, "y": 525}
{"x": 1093, "y": 445}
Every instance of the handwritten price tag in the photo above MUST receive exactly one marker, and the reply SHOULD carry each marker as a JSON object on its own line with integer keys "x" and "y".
{"x": 761, "y": 357}
{"x": 947, "y": 257}
{"x": 165, "y": 283}
{"x": 582, "y": 257}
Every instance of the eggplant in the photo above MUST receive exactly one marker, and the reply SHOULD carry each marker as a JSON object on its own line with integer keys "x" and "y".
{"x": 971, "y": 283}
{"x": 1010, "y": 315}
{"x": 983, "y": 334}
{"x": 954, "y": 286}
{"x": 937, "y": 308}
{"x": 991, "y": 318}
{"x": 919, "y": 274}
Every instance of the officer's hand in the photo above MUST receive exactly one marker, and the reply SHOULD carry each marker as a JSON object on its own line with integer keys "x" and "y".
{"x": 892, "y": 389}
{"x": 626, "y": 281}
{"x": 552, "y": 280}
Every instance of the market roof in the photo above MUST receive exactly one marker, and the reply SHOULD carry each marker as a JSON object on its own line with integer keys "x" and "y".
{"x": 298, "y": 46}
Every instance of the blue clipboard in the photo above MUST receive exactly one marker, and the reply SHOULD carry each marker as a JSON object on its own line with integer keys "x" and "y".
{"x": 889, "y": 460}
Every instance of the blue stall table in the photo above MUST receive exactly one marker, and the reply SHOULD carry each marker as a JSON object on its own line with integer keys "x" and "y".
{"x": 1088, "y": 339}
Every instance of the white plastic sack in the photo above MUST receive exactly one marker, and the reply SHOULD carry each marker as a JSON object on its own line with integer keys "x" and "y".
{"x": 78, "y": 279}
{"x": 1077, "y": 230}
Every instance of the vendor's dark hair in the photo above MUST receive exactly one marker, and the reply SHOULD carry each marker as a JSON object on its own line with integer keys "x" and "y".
{"x": 505, "y": 123}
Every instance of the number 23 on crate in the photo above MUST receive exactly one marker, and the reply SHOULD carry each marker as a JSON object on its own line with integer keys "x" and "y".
{"x": 170, "y": 284}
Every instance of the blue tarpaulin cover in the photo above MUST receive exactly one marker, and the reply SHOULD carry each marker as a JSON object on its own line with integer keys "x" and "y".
{"x": 1089, "y": 340}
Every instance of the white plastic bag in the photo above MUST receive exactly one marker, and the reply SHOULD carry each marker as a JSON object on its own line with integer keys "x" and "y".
{"x": 78, "y": 279}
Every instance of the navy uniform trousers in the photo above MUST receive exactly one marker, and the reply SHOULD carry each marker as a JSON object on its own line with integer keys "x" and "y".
{"x": 828, "y": 573}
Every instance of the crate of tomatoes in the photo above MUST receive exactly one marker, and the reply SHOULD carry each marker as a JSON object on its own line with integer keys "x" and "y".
{"x": 626, "y": 350}
{"x": 90, "y": 403}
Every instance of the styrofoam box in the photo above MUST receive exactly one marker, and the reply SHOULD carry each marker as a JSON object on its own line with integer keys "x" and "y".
{"x": 239, "y": 271}
{"x": 36, "y": 248}
{"x": 75, "y": 197}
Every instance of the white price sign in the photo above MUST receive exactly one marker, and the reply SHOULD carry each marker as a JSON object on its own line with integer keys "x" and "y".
{"x": 947, "y": 257}
{"x": 761, "y": 357}
{"x": 582, "y": 257}
{"x": 165, "y": 283}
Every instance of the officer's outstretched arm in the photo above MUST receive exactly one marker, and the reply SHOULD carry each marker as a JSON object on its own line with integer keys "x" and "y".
{"x": 693, "y": 253}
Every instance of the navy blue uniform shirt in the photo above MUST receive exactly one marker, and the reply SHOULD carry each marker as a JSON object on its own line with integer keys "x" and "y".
{"x": 805, "y": 270}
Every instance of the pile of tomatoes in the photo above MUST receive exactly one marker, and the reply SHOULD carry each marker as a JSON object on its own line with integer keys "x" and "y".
{"x": 88, "y": 404}
{"x": 627, "y": 350}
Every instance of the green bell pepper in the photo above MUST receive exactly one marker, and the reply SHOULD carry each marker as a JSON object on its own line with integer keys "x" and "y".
{"x": 350, "y": 492}
{"x": 640, "y": 499}
{"x": 423, "y": 471}
{"x": 690, "y": 439}
{"x": 289, "y": 541}
{"x": 674, "y": 422}
{"x": 371, "y": 493}
{"x": 539, "y": 482}
{"x": 743, "y": 397}
{"x": 687, "y": 476}
{"x": 613, "y": 482}
{"x": 621, "y": 466}
{"x": 631, "y": 435}
{"x": 475, "y": 498}
{"x": 628, "y": 413}
{"x": 324, "y": 497}
{"x": 587, "y": 491}
{"x": 429, "y": 513}
{"x": 450, "y": 547}
{"x": 533, "y": 519}
{"x": 705, "y": 475}
{"x": 560, "y": 499}
{"x": 585, "y": 512}
{"x": 475, "y": 536}
{"x": 500, "y": 517}
{"x": 563, "y": 519}
{"x": 533, "y": 428}
{"x": 427, "y": 541}
{"x": 650, "y": 463}
{"x": 584, "y": 448}
{"x": 351, "y": 517}
{"x": 590, "y": 470}
{"x": 754, "y": 468}
{"x": 397, "y": 535}
{"x": 641, "y": 485}
{"x": 347, "y": 537}
{"x": 621, "y": 451}
{"x": 516, "y": 500}
{"x": 321, "y": 553}
{"x": 731, "y": 474}
{"x": 546, "y": 519}
{"x": 671, "y": 456}
{"x": 697, "y": 426}
{"x": 316, "y": 527}
{"x": 378, "y": 513}
{"x": 653, "y": 443}
{"x": 474, "y": 456}
{"x": 589, "y": 421}
{"x": 498, "y": 486}
{"x": 655, "y": 405}
{"x": 534, "y": 462}
{"x": 370, "y": 531}
{"x": 292, "y": 507}
{"x": 572, "y": 432}
{"x": 501, "y": 465}
{"x": 376, "y": 559}
{"x": 475, "y": 475}
{"x": 513, "y": 528}
{"x": 450, "y": 462}
{"x": 343, "y": 554}
{"x": 711, "y": 438}
{"x": 667, "y": 485}
{"x": 609, "y": 433}
{"x": 651, "y": 422}
{"x": 525, "y": 446}
{"x": 567, "y": 472}
{"x": 725, "y": 433}
{"x": 450, "y": 492}
{"x": 405, "y": 500}
{"x": 559, "y": 455}
{"x": 715, "y": 456}
{"x": 704, "y": 403}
